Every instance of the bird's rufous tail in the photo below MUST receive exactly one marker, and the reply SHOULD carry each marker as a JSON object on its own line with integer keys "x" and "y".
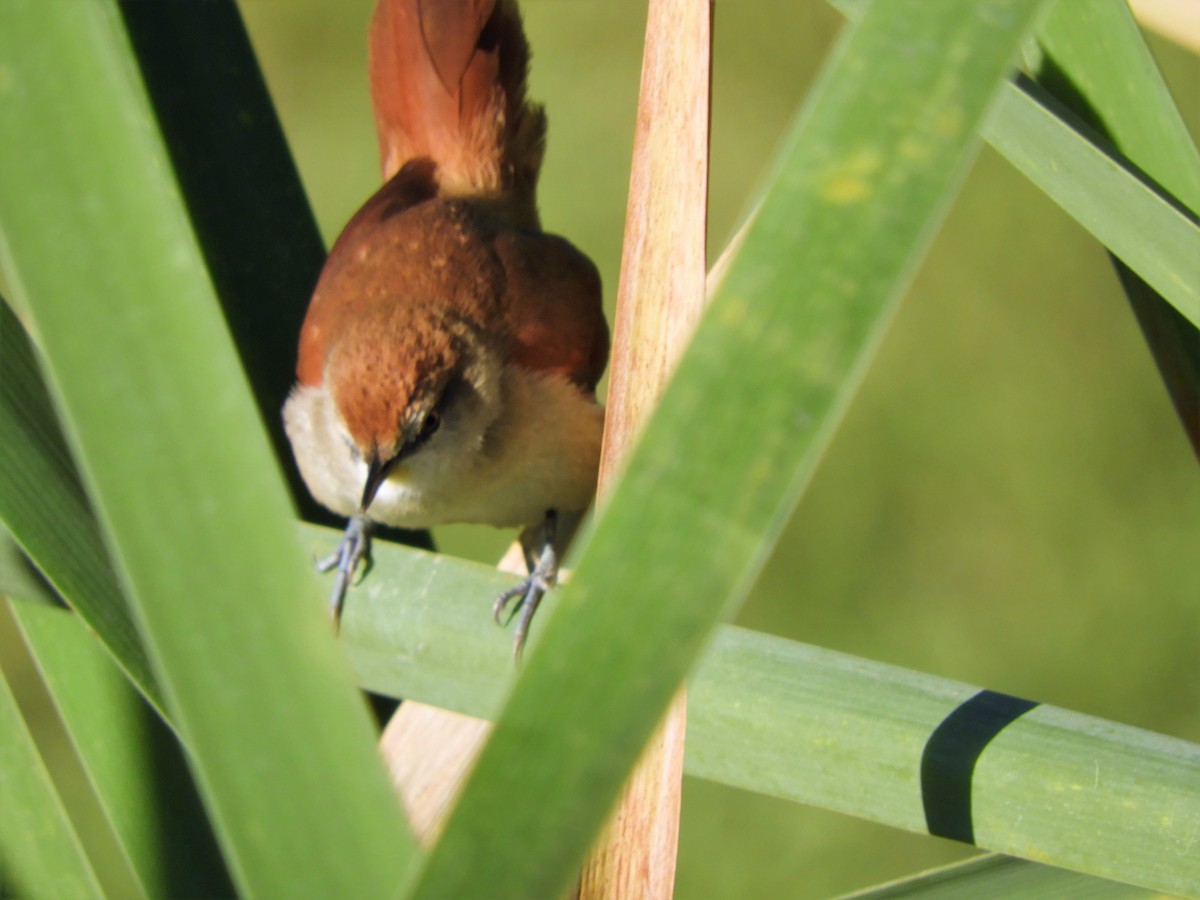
{"x": 448, "y": 84}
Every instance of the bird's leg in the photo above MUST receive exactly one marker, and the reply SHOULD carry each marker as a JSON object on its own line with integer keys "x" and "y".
{"x": 541, "y": 559}
{"x": 354, "y": 547}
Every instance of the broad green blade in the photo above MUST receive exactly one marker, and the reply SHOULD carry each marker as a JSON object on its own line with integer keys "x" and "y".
{"x": 1097, "y": 64}
{"x": 241, "y": 188}
{"x": 821, "y": 728}
{"x": 243, "y": 195}
{"x": 98, "y": 248}
{"x": 1144, "y": 229}
{"x": 43, "y": 506}
{"x": 133, "y": 761}
{"x": 896, "y": 747}
{"x": 862, "y": 184}
{"x": 1003, "y": 876}
{"x": 420, "y": 626}
{"x": 40, "y": 854}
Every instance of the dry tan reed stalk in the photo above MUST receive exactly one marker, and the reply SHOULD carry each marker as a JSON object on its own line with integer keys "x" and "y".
{"x": 660, "y": 297}
{"x": 659, "y": 300}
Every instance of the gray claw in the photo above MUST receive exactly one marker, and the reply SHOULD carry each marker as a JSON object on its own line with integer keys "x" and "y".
{"x": 354, "y": 547}
{"x": 531, "y": 591}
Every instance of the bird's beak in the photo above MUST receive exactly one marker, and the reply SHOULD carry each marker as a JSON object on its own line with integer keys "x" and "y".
{"x": 377, "y": 472}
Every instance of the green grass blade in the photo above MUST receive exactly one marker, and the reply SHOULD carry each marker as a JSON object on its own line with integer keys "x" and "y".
{"x": 43, "y": 505}
{"x": 1056, "y": 786}
{"x": 1098, "y": 65}
{"x": 1003, "y": 876}
{"x": 1142, "y": 228}
{"x": 99, "y": 250}
{"x": 819, "y": 727}
{"x": 243, "y": 193}
{"x": 40, "y": 854}
{"x": 132, "y": 759}
{"x": 1079, "y": 169}
{"x": 415, "y": 621}
{"x": 738, "y": 434}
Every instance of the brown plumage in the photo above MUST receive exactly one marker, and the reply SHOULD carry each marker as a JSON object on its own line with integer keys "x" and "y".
{"x": 448, "y": 362}
{"x": 533, "y": 290}
{"x": 453, "y": 120}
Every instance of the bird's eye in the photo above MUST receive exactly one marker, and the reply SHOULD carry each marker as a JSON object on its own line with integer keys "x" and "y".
{"x": 432, "y": 423}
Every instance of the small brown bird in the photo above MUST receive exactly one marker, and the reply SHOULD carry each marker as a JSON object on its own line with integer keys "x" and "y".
{"x": 449, "y": 359}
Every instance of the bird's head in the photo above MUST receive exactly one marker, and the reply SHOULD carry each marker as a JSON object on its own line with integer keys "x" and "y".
{"x": 414, "y": 392}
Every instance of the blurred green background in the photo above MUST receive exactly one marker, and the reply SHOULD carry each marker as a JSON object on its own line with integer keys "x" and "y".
{"x": 1010, "y": 501}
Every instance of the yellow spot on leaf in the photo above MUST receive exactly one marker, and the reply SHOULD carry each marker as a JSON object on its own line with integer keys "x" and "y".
{"x": 849, "y": 180}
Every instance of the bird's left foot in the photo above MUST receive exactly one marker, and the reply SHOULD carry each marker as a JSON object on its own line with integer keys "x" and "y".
{"x": 542, "y": 577}
{"x": 355, "y": 547}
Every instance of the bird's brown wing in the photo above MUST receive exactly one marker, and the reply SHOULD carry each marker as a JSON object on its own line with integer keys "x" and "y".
{"x": 552, "y": 303}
